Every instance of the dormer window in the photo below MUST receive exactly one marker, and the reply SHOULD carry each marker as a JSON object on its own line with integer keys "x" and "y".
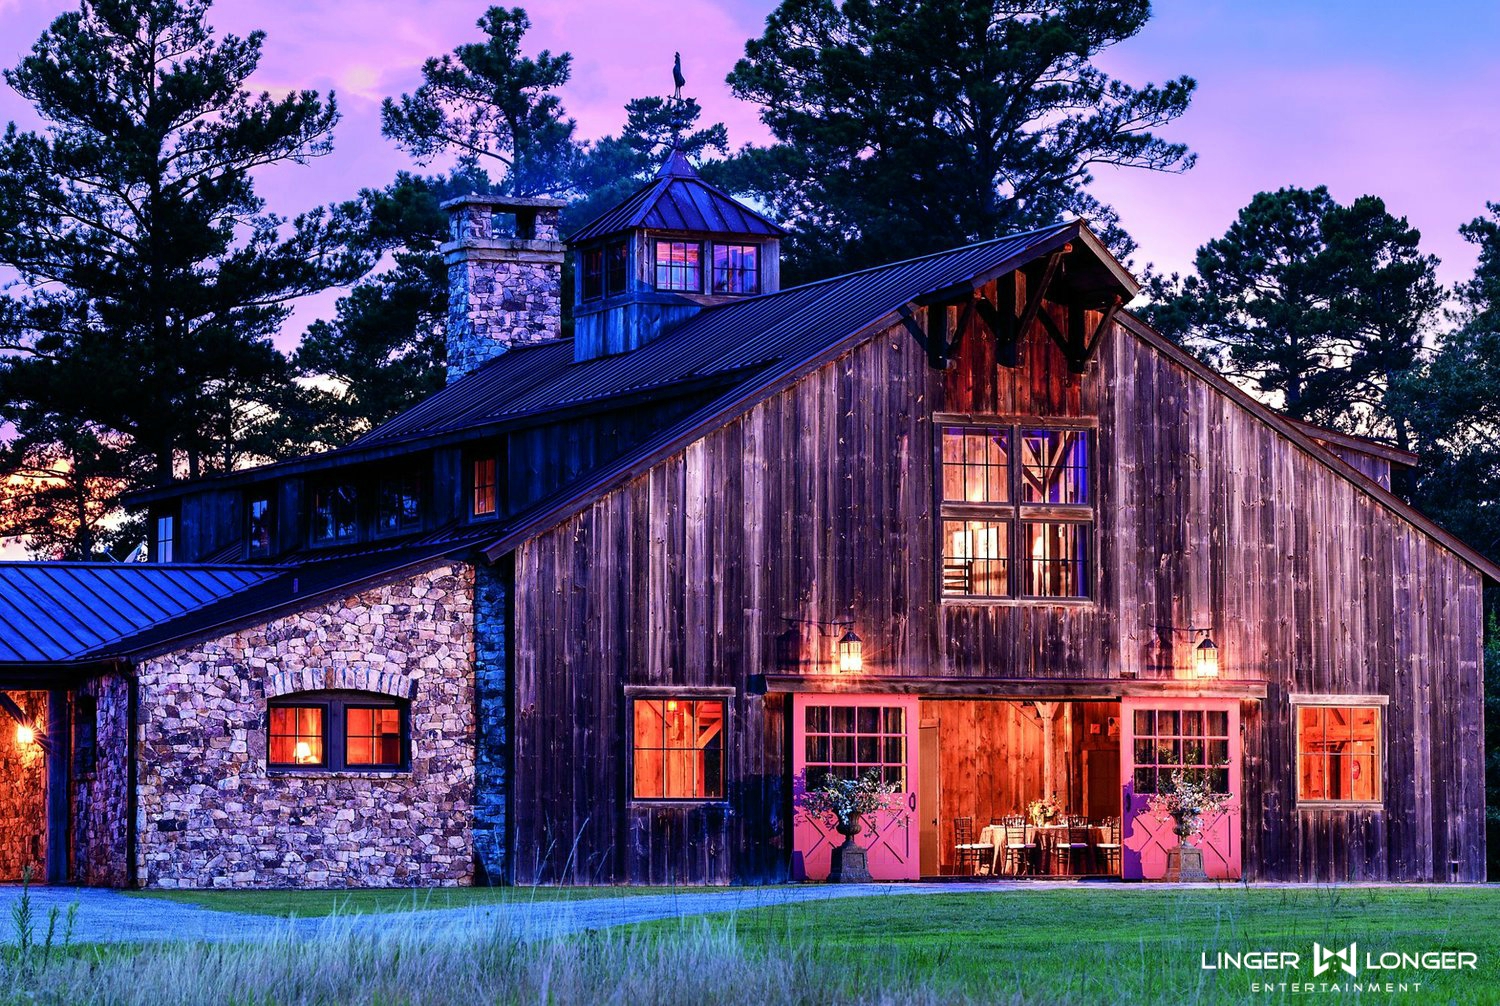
{"x": 736, "y": 269}
{"x": 679, "y": 266}
{"x": 399, "y": 505}
{"x": 258, "y": 529}
{"x": 593, "y": 274}
{"x": 335, "y": 515}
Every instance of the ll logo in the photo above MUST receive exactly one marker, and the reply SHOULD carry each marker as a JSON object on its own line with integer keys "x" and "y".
{"x": 1323, "y": 959}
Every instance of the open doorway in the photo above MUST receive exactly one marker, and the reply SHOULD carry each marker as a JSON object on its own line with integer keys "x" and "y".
{"x": 23, "y": 786}
{"x": 984, "y": 762}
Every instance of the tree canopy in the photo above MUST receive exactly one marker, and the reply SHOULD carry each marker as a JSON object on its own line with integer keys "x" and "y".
{"x": 153, "y": 277}
{"x": 917, "y": 125}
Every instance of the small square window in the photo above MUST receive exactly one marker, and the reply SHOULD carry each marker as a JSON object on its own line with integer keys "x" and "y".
{"x": 1339, "y": 754}
{"x": 296, "y": 736}
{"x": 679, "y": 266}
{"x": 372, "y": 736}
{"x": 1057, "y": 558}
{"x": 678, "y": 749}
{"x": 399, "y": 505}
{"x": 335, "y": 514}
{"x": 736, "y": 269}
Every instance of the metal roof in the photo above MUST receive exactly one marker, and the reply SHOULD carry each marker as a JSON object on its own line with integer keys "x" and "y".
{"x": 63, "y": 611}
{"x": 722, "y": 341}
{"x": 677, "y": 199}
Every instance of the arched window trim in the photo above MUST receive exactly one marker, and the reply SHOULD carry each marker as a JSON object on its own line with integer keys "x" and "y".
{"x": 335, "y": 705}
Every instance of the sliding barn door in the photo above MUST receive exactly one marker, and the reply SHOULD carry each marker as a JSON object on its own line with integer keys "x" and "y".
{"x": 1161, "y": 736}
{"x": 850, "y": 735}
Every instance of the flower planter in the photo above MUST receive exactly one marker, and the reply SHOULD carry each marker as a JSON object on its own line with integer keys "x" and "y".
{"x": 1185, "y": 864}
{"x": 850, "y": 864}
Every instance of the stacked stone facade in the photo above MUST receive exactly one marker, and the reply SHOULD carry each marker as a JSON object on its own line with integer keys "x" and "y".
{"x": 504, "y": 281}
{"x": 100, "y": 795}
{"x": 23, "y": 792}
{"x": 213, "y": 814}
{"x": 492, "y": 748}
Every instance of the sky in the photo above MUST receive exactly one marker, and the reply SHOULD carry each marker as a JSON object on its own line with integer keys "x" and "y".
{"x": 1393, "y": 99}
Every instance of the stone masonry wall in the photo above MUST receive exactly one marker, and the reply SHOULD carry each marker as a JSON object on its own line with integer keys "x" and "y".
{"x": 23, "y": 792}
{"x": 211, "y": 813}
{"x": 99, "y": 851}
{"x": 504, "y": 290}
{"x": 492, "y": 753}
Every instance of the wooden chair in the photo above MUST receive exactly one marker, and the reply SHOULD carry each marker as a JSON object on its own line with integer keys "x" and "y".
{"x": 1071, "y": 851}
{"x": 1020, "y": 850}
{"x": 970, "y": 851}
{"x": 1110, "y": 847}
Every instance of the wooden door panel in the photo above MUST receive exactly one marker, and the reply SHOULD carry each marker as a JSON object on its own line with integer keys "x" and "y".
{"x": 819, "y": 740}
{"x": 1155, "y": 734}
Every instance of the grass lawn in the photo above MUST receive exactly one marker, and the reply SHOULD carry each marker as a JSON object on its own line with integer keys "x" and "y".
{"x": 307, "y": 904}
{"x": 1136, "y": 945}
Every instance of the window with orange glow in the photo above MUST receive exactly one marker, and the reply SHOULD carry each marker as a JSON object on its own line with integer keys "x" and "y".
{"x": 372, "y": 736}
{"x": 1338, "y": 754}
{"x": 485, "y": 498}
{"x": 296, "y": 736}
{"x": 679, "y": 749}
{"x": 1017, "y": 507}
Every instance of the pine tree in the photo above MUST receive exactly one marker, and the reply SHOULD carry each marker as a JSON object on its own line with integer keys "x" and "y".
{"x": 138, "y": 345}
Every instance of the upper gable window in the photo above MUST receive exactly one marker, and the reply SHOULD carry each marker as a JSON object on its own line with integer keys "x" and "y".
{"x": 335, "y": 514}
{"x": 736, "y": 269}
{"x": 399, "y": 507}
{"x": 593, "y": 274}
{"x": 1017, "y": 513}
{"x": 616, "y": 268}
{"x": 166, "y": 536}
{"x": 258, "y": 531}
{"x": 679, "y": 266}
{"x": 484, "y": 495}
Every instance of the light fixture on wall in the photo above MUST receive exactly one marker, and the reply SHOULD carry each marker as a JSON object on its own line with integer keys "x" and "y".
{"x": 1206, "y": 656}
{"x": 848, "y": 651}
{"x": 25, "y": 734}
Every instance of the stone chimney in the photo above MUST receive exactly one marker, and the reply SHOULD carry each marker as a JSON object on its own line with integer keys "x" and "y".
{"x": 504, "y": 277}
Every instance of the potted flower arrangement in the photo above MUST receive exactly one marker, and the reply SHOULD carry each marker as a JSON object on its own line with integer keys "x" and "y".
{"x": 1186, "y": 802}
{"x": 1044, "y": 811}
{"x": 846, "y": 802}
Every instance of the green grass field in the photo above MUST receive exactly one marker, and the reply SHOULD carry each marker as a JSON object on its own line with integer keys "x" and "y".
{"x": 1067, "y": 944}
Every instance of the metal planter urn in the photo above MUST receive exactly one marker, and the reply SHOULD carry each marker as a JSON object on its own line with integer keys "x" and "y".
{"x": 1185, "y": 864}
{"x": 849, "y": 864}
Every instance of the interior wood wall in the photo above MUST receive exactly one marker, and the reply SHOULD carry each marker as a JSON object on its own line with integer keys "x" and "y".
{"x": 818, "y": 503}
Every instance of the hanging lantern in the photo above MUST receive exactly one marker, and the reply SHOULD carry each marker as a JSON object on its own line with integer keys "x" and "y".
{"x": 851, "y": 652}
{"x": 25, "y": 734}
{"x": 1206, "y": 657}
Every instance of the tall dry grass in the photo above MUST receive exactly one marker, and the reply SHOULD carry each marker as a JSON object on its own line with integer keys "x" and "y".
{"x": 469, "y": 962}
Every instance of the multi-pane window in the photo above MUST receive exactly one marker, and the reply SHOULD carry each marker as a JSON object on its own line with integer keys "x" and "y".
{"x": 354, "y": 731}
{"x": 1192, "y": 741}
{"x": 679, "y": 266}
{"x": 678, "y": 749}
{"x": 165, "y": 537}
{"x": 335, "y": 514}
{"x": 258, "y": 532}
{"x": 296, "y": 736}
{"x": 1338, "y": 754}
{"x": 398, "y": 505}
{"x": 372, "y": 736}
{"x": 86, "y": 733}
{"x": 483, "y": 497}
{"x": 616, "y": 268}
{"x": 593, "y": 274}
{"x": 737, "y": 269}
{"x": 1017, "y": 508}
{"x": 849, "y": 741}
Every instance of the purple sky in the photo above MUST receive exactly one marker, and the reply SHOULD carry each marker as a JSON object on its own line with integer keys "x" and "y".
{"x": 1369, "y": 96}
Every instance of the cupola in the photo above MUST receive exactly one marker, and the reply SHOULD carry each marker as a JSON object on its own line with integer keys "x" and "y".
{"x": 673, "y": 247}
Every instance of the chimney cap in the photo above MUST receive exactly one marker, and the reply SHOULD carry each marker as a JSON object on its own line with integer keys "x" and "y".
{"x": 502, "y": 202}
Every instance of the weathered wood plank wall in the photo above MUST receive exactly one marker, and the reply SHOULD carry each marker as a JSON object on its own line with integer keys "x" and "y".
{"x": 819, "y": 502}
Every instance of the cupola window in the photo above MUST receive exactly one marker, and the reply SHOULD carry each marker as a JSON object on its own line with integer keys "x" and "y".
{"x": 679, "y": 266}
{"x": 736, "y": 269}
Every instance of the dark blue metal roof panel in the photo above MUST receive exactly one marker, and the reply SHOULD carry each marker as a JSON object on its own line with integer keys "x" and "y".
{"x": 721, "y": 341}
{"x": 679, "y": 202}
{"x": 62, "y": 611}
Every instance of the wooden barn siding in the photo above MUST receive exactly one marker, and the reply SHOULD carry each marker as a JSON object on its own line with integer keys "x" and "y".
{"x": 819, "y": 501}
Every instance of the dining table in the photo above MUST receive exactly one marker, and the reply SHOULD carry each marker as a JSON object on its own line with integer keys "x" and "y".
{"x": 1046, "y": 837}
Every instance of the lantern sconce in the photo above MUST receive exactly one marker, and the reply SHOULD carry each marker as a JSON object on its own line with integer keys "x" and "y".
{"x": 25, "y": 734}
{"x": 1206, "y": 656}
{"x": 848, "y": 648}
